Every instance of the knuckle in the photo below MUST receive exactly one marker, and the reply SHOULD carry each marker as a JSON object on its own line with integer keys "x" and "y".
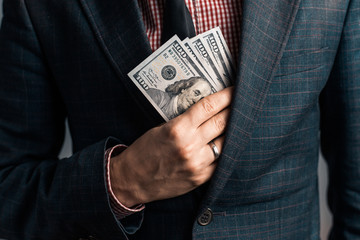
{"x": 197, "y": 180}
{"x": 207, "y": 105}
{"x": 174, "y": 131}
{"x": 185, "y": 153}
{"x": 219, "y": 123}
{"x": 192, "y": 167}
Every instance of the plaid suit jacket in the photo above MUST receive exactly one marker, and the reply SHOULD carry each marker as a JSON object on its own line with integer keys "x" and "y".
{"x": 298, "y": 73}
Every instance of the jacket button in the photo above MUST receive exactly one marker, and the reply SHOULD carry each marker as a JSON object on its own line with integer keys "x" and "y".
{"x": 205, "y": 218}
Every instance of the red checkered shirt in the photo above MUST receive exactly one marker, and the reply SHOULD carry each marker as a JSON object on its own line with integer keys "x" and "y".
{"x": 206, "y": 15}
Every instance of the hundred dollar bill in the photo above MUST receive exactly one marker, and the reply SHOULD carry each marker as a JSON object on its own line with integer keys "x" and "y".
{"x": 220, "y": 51}
{"x": 225, "y": 51}
{"x": 203, "y": 52}
{"x": 171, "y": 80}
{"x": 198, "y": 60}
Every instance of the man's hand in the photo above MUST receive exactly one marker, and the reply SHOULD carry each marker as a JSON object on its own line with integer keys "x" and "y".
{"x": 174, "y": 158}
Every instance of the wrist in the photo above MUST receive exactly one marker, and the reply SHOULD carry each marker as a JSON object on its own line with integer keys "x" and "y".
{"x": 122, "y": 185}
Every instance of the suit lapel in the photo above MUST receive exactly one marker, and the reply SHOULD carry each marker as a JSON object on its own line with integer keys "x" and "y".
{"x": 119, "y": 29}
{"x": 266, "y": 26}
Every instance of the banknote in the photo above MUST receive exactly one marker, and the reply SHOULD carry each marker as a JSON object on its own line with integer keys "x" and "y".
{"x": 201, "y": 63}
{"x": 180, "y": 73}
{"x": 203, "y": 52}
{"x": 171, "y": 80}
{"x": 225, "y": 51}
{"x": 219, "y": 50}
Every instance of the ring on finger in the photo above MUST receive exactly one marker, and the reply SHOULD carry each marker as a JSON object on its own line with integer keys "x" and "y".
{"x": 214, "y": 149}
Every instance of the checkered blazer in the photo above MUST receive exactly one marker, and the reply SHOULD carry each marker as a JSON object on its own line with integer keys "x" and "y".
{"x": 298, "y": 74}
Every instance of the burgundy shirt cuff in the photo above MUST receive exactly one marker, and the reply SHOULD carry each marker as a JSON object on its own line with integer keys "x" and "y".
{"x": 120, "y": 210}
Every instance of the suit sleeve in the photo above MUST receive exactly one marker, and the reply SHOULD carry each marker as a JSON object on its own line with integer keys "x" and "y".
{"x": 340, "y": 130}
{"x": 42, "y": 197}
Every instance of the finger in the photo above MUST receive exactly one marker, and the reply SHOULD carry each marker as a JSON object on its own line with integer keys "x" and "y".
{"x": 213, "y": 127}
{"x": 204, "y": 169}
{"x": 216, "y": 147}
{"x": 207, "y": 154}
{"x": 205, "y": 174}
{"x": 208, "y": 107}
{"x": 208, "y": 173}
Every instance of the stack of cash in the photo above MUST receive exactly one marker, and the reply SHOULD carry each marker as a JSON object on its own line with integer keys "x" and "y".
{"x": 180, "y": 73}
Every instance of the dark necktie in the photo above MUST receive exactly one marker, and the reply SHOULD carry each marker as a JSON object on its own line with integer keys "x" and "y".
{"x": 177, "y": 20}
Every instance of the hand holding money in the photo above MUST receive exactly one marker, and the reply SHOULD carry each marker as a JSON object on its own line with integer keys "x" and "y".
{"x": 174, "y": 158}
{"x": 180, "y": 73}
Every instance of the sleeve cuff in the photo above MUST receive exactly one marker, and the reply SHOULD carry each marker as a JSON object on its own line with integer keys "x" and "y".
{"x": 120, "y": 210}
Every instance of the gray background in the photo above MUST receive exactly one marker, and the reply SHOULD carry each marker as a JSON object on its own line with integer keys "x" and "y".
{"x": 326, "y": 218}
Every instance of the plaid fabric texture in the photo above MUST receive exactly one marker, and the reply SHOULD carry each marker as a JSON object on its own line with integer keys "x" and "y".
{"x": 298, "y": 74}
{"x": 205, "y": 14}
